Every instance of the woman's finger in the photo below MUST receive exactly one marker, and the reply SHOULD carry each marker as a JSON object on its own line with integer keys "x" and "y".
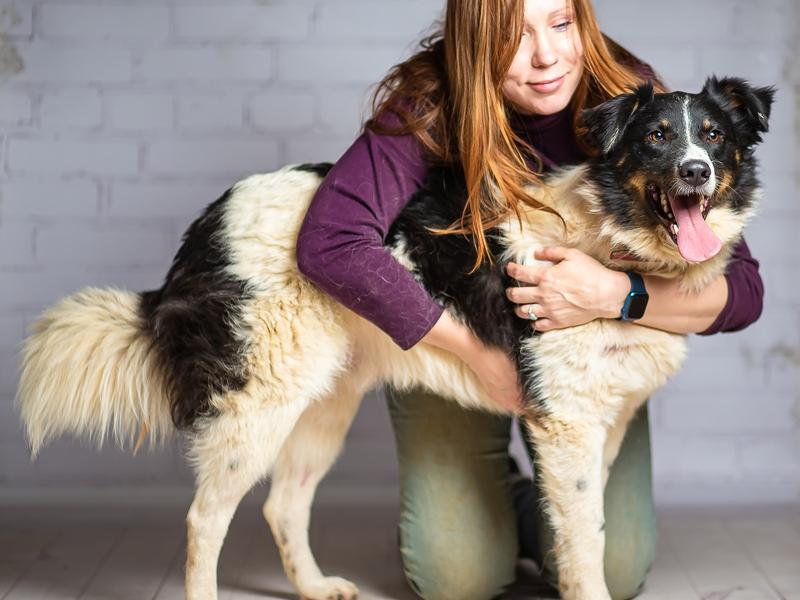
{"x": 542, "y": 325}
{"x": 523, "y": 295}
{"x": 532, "y": 312}
{"x": 552, "y": 253}
{"x": 526, "y": 274}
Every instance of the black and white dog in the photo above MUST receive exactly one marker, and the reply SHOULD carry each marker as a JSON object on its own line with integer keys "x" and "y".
{"x": 264, "y": 372}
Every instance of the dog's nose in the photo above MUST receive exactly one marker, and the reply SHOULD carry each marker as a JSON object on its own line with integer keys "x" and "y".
{"x": 695, "y": 172}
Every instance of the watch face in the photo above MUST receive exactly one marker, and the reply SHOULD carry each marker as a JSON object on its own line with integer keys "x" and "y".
{"x": 637, "y": 306}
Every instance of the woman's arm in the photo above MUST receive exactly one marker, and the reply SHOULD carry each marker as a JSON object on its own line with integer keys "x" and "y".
{"x": 578, "y": 289}
{"x": 340, "y": 248}
{"x": 340, "y": 243}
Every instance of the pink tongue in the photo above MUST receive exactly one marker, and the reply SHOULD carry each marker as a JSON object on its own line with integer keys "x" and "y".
{"x": 696, "y": 241}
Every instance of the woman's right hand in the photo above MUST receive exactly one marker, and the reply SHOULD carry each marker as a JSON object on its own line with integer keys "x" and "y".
{"x": 498, "y": 374}
{"x": 493, "y": 367}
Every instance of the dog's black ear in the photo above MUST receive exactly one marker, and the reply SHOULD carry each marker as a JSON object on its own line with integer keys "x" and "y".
{"x": 748, "y": 107}
{"x": 606, "y": 122}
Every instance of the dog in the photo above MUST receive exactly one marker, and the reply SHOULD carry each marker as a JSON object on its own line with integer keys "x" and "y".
{"x": 264, "y": 372}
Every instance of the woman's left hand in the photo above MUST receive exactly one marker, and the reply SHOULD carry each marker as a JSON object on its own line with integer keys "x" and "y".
{"x": 574, "y": 290}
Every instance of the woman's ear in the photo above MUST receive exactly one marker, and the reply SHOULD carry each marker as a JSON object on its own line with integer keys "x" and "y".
{"x": 749, "y": 107}
{"x": 606, "y": 122}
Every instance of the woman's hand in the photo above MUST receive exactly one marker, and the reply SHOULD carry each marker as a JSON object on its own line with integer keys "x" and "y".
{"x": 498, "y": 375}
{"x": 495, "y": 369}
{"x": 574, "y": 290}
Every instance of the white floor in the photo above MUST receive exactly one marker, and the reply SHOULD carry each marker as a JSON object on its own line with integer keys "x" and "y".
{"x": 138, "y": 553}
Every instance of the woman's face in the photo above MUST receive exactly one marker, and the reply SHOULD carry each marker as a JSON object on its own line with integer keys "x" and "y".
{"x": 549, "y": 61}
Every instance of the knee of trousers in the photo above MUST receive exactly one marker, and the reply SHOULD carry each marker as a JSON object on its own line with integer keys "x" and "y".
{"x": 627, "y": 565}
{"x": 628, "y": 558}
{"x": 437, "y": 569}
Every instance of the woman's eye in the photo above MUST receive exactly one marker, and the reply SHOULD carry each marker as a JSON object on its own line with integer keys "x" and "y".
{"x": 563, "y": 26}
{"x": 656, "y": 136}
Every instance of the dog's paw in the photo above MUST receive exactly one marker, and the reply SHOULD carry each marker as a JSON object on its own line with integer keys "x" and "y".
{"x": 330, "y": 588}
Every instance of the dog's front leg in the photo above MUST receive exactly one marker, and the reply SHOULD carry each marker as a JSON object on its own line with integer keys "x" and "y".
{"x": 569, "y": 458}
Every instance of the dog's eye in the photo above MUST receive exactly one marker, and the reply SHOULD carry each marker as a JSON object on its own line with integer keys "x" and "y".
{"x": 715, "y": 136}
{"x": 656, "y": 136}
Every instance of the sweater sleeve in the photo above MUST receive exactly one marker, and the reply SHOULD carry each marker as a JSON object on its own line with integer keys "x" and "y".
{"x": 745, "y": 293}
{"x": 340, "y": 243}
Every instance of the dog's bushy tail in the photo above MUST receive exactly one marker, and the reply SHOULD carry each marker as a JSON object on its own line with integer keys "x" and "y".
{"x": 89, "y": 368}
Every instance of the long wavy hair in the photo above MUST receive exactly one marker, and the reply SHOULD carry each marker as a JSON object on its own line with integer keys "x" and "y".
{"x": 449, "y": 96}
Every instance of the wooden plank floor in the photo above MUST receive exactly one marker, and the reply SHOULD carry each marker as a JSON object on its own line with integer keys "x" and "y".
{"x": 138, "y": 553}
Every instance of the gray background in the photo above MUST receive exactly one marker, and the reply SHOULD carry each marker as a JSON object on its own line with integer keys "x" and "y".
{"x": 120, "y": 120}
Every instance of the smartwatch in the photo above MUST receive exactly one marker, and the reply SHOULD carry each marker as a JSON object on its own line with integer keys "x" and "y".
{"x": 636, "y": 300}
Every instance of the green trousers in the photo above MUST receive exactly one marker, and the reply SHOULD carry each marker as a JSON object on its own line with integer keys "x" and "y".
{"x": 459, "y": 532}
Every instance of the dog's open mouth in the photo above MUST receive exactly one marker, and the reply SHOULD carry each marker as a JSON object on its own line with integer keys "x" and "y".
{"x": 684, "y": 217}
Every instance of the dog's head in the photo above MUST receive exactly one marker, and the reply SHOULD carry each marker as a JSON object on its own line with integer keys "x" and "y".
{"x": 676, "y": 170}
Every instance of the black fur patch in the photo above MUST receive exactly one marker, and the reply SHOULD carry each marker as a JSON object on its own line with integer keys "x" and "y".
{"x": 193, "y": 318}
{"x": 321, "y": 169}
{"x": 443, "y": 262}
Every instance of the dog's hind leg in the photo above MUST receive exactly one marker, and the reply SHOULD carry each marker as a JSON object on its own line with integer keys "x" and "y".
{"x": 230, "y": 453}
{"x": 304, "y": 459}
{"x": 569, "y": 456}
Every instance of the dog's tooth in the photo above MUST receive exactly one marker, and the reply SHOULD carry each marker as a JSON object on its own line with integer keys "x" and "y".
{"x": 674, "y": 228}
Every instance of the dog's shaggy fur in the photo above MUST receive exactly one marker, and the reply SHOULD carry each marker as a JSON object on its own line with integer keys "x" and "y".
{"x": 264, "y": 372}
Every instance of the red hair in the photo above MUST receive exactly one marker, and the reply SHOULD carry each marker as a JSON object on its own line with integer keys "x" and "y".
{"x": 449, "y": 96}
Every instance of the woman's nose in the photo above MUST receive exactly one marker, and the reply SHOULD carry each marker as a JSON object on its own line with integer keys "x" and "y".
{"x": 544, "y": 55}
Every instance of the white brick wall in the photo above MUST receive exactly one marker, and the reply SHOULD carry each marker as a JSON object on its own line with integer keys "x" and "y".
{"x": 125, "y": 119}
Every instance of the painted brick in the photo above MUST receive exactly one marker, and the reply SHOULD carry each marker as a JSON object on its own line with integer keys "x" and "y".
{"x": 757, "y": 63}
{"x": 676, "y": 65}
{"x": 202, "y": 112}
{"x": 16, "y": 244}
{"x": 55, "y": 63}
{"x": 680, "y": 457}
{"x": 773, "y": 238}
{"x": 72, "y": 109}
{"x": 8, "y": 372}
{"x": 96, "y": 20}
{"x": 170, "y": 200}
{"x": 73, "y": 157}
{"x": 16, "y": 19}
{"x": 764, "y": 21}
{"x": 773, "y": 457}
{"x": 403, "y": 20}
{"x": 780, "y": 284}
{"x": 328, "y": 150}
{"x": 11, "y": 331}
{"x": 723, "y": 413}
{"x": 780, "y": 193}
{"x": 343, "y": 112}
{"x": 650, "y": 23}
{"x": 336, "y": 64}
{"x": 66, "y": 199}
{"x": 32, "y": 291}
{"x": 140, "y": 111}
{"x": 217, "y": 65}
{"x": 282, "y": 111}
{"x": 320, "y": 56}
{"x": 88, "y": 245}
{"x": 15, "y": 108}
{"x": 212, "y": 158}
{"x": 273, "y": 21}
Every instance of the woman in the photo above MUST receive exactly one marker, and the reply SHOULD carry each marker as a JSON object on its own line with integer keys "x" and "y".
{"x": 497, "y": 94}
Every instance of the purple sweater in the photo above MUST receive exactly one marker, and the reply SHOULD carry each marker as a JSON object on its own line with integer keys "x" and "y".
{"x": 340, "y": 245}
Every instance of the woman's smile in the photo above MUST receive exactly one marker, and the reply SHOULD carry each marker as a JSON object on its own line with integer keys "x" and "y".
{"x": 549, "y": 85}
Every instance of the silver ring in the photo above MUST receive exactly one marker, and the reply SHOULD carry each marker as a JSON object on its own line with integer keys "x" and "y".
{"x": 531, "y": 314}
